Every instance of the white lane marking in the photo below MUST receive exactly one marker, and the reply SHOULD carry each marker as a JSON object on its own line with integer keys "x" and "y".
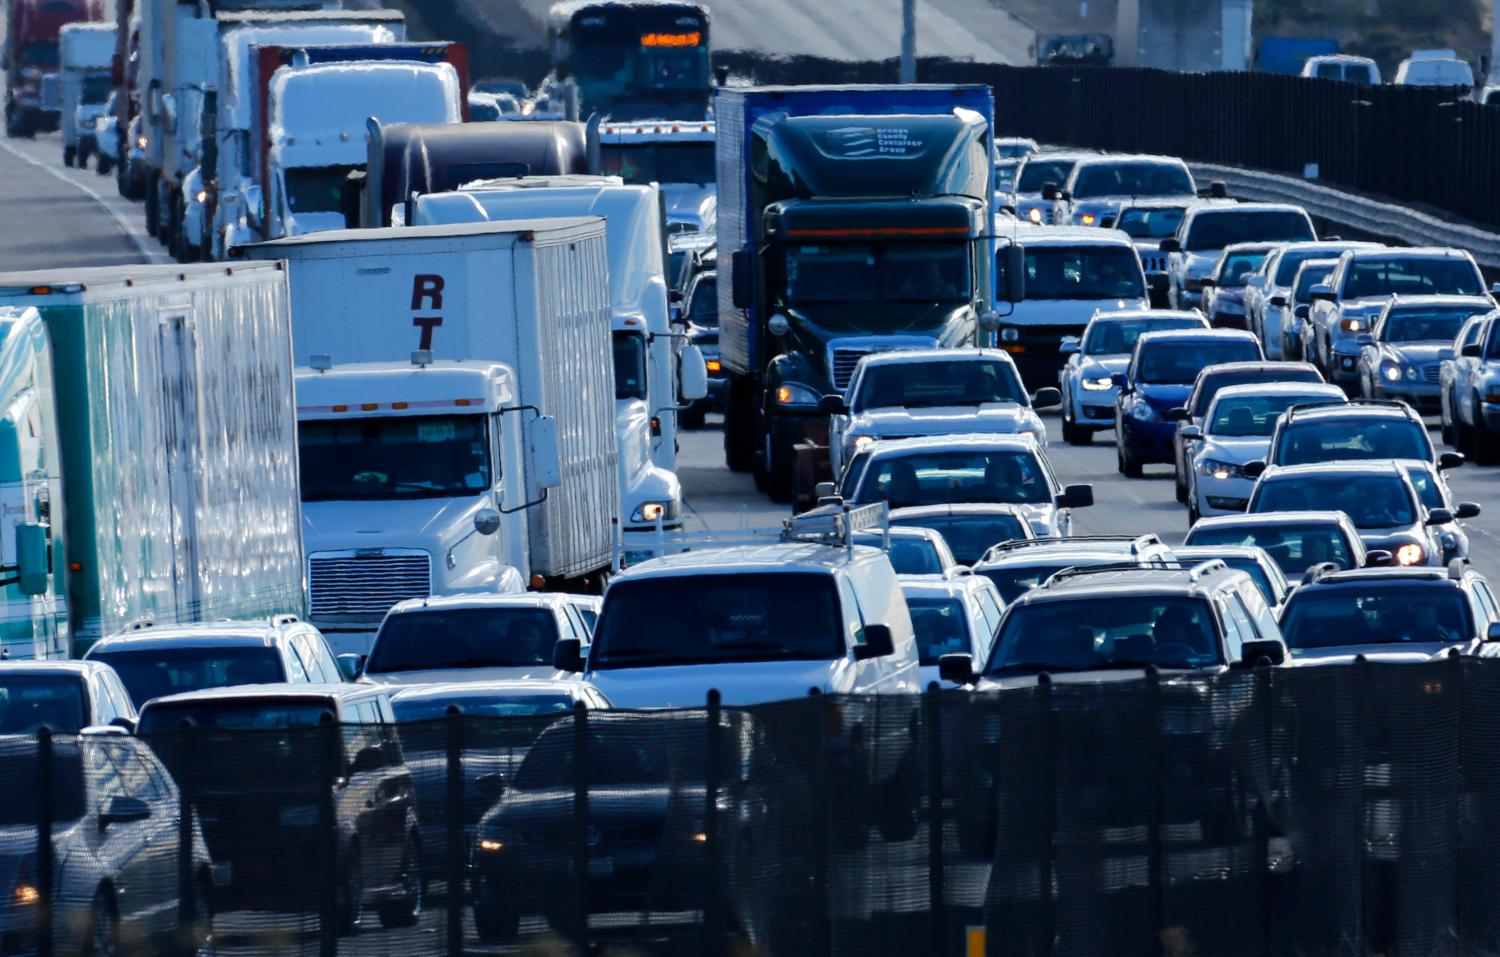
{"x": 144, "y": 244}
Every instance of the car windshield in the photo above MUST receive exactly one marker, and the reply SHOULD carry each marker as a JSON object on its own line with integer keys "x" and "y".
{"x": 1083, "y": 272}
{"x": 895, "y": 272}
{"x": 1247, "y": 416}
{"x": 317, "y": 189}
{"x": 711, "y": 619}
{"x": 633, "y": 754}
{"x": 1294, "y": 548}
{"x": 496, "y": 706}
{"x": 969, "y": 536}
{"x": 1116, "y": 337}
{"x": 1084, "y": 634}
{"x": 1013, "y": 581}
{"x": 704, "y": 311}
{"x": 153, "y": 672}
{"x": 1014, "y": 150}
{"x": 952, "y": 477}
{"x": 1178, "y": 363}
{"x": 27, "y": 702}
{"x": 1424, "y": 325}
{"x": 1428, "y": 490}
{"x": 1150, "y": 222}
{"x": 1387, "y": 613}
{"x": 1210, "y": 384}
{"x": 942, "y": 628}
{"x": 630, "y": 365}
{"x": 909, "y": 556}
{"x": 1219, "y": 228}
{"x": 420, "y": 456}
{"x": 1235, "y": 268}
{"x": 1132, "y": 179}
{"x": 934, "y": 383}
{"x": 266, "y": 715}
{"x": 1291, "y": 260}
{"x": 494, "y": 637}
{"x": 1307, "y": 279}
{"x": 1037, "y": 173}
{"x": 1370, "y": 501}
{"x": 659, "y": 162}
{"x": 1417, "y": 276}
{"x": 19, "y": 780}
{"x": 1304, "y": 443}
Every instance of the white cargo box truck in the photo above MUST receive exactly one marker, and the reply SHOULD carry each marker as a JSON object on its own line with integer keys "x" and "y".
{"x": 532, "y": 295}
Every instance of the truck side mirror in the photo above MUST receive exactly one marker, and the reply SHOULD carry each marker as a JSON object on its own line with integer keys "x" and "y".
{"x": 350, "y": 665}
{"x": 567, "y": 655}
{"x": 546, "y": 462}
{"x": 878, "y": 643}
{"x": 1013, "y": 272}
{"x": 692, "y": 374}
{"x": 743, "y": 266}
{"x": 486, "y": 521}
{"x": 32, "y": 569}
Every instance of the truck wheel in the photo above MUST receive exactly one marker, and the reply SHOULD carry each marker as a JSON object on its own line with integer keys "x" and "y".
{"x": 781, "y": 470}
{"x": 70, "y": 155}
{"x": 153, "y": 211}
{"x": 739, "y": 426}
{"x": 692, "y": 417}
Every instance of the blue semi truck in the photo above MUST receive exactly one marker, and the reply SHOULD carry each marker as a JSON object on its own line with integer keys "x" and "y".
{"x": 851, "y": 220}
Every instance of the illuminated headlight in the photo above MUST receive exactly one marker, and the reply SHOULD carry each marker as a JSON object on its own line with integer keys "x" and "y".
{"x": 1088, "y": 219}
{"x": 656, "y": 511}
{"x": 1213, "y": 468}
{"x": 25, "y": 895}
{"x": 1034, "y": 214}
{"x": 1142, "y": 411}
{"x": 1010, "y": 334}
{"x": 792, "y": 394}
{"x": 1097, "y": 383}
{"x": 1354, "y": 324}
{"x": 1409, "y": 554}
{"x": 862, "y": 442}
{"x": 492, "y": 842}
{"x": 1391, "y": 371}
{"x": 201, "y": 196}
{"x": 713, "y": 365}
{"x": 140, "y": 142}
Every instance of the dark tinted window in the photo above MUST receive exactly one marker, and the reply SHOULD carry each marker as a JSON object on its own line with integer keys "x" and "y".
{"x": 1102, "y": 633}
{"x": 1132, "y": 179}
{"x": 316, "y": 189}
{"x": 1178, "y": 363}
{"x": 1384, "y": 613}
{"x": 1037, "y": 173}
{"x": 970, "y": 536}
{"x": 1116, "y": 337}
{"x": 1083, "y": 272}
{"x": 1423, "y": 325}
{"x": 27, "y": 702}
{"x": 1237, "y": 267}
{"x": 638, "y": 753}
{"x": 1377, "y": 278}
{"x": 464, "y": 638}
{"x": 1252, "y": 415}
{"x": 498, "y": 706}
{"x": 426, "y": 456}
{"x": 1150, "y": 223}
{"x": 1294, "y": 548}
{"x": 946, "y": 478}
{"x": 1215, "y": 230}
{"x": 942, "y": 628}
{"x": 1292, "y": 259}
{"x": 1013, "y": 581}
{"x": 909, "y": 556}
{"x": 1209, "y": 386}
{"x": 1370, "y": 501}
{"x": 659, "y": 162}
{"x": 18, "y": 781}
{"x": 268, "y": 714}
{"x": 154, "y": 672}
{"x": 1302, "y": 443}
{"x": 914, "y": 385}
{"x": 630, "y": 365}
{"x": 1308, "y": 278}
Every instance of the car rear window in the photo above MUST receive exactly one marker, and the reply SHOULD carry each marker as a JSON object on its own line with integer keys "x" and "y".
{"x": 1384, "y": 614}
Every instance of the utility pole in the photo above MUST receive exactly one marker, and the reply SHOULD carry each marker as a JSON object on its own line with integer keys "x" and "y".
{"x": 1494, "y": 39}
{"x": 909, "y": 40}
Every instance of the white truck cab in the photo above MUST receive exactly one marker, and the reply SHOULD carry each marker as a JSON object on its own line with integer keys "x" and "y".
{"x": 413, "y": 484}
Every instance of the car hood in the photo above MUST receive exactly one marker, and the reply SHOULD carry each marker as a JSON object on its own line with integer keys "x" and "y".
{"x": 1104, "y": 365}
{"x": 1006, "y": 417}
{"x": 1416, "y": 353}
{"x": 1236, "y": 451}
{"x": 739, "y": 683}
{"x": 1403, "y": 653}
{"x": 402, "y": 679}
{"x": 1164, "y": 398}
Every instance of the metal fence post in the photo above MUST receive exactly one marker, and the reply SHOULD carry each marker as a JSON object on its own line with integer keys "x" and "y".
{"x": 713, "y": 911}
{"x": 329, "y": 743}
{"x": 453, "y": 726}
{"x": 186, "y": 790}
{"x": 936, "y": 877}
{"x": 1049, "y": 787}
{"x": 1154, "y": 879}
{"x": 581, "y": 825}
{"x": 44, "y": 810}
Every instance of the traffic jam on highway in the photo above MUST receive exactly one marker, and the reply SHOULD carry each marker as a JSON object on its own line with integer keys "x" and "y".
{"x": 398, "y": 441}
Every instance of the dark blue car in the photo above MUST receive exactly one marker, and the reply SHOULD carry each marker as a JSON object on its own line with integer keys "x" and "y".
{"x": 1159, "y": 378}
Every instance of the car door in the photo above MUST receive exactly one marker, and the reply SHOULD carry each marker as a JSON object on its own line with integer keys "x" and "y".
{"x": 123, "y": 848}
{"x": 1486, "y": 612}
{"x": 138, "y": 779}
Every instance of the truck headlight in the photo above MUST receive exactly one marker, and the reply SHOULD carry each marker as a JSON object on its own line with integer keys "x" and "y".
{"x": 792, "y": 394}
{"x": 140, "y": 142}
{"x": 1409, "y": 554}
{"x": 656, "y": 511}
{"x": 1097, "y": 383}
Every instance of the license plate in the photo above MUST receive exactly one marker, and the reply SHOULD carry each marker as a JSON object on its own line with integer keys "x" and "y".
{"x": 223, "y": 875}
{"x": 602, "y": 867}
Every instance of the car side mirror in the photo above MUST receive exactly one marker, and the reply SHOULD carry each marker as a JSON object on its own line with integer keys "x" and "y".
{"x": 877, "y": 644}
{"x": 1439, "y": 516}
{"x": 1068, "y": 346}
{"x": 1302, "y": 311}
{"x": 123, "y": 809}
{"x": 125, "y": 724}
{"x": 1471, "y": 351}
{"x": 1467, "y": 510}
{"x": 1171, "y": 245}
{"x": 1379, "y": 558}
{"x": 350, "y": 665}
{"x": 567, "y": 655}
{"x": 1321, "y": 292}
{"x": 490, "y": 786}
{"x": 1208, "y": 282}
{"x": 1191, "y": 433}
{"x": 1450, "y": 460}
{"x": 1178, "y": 414}
{"x": 33, "y": 571}
{"x": 1365, "y": 339}
{"x": 744, "y": 278}
{"x": 1266, "y": 651}
{"x": 692, "y": 374}
{"x": 1279, "y": 301}
{"x": 1049, "y": 192}
{"x": 1118, "y": 380}
{"x": 833, "y": 405}
{"x": 368, "y": 759}
{"x": 958, "y": 668}
{"x": 1075, "y": 496}
{"x": 1254, "y": 469}
{"x": 1047, "y": 397}
{"x": 1492, "y": 633}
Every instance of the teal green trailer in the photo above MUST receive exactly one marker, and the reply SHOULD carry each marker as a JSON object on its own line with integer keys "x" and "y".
{"x": 175, "y": 420}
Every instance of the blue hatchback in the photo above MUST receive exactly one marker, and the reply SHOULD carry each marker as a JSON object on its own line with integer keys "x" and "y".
{"x": 1159, "y": 378}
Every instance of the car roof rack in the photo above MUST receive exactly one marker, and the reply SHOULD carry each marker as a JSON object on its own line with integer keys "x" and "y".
{"x": 834, "y": 524}
{"x": 284, "y": 619}
{"x": 1316, "y": 572}
{"x": 1138, "y": 543}
{"x": 1195, "y": 572}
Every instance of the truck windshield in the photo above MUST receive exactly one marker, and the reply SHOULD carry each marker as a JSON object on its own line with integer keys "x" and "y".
{"x": 1132, "y": 179}
{"x": 934, "y": 383}
{"x": 316, "y": 189}
{"x": 897, "y": 272}
{"x": 464, "y": 638}
{"x": 1216, "y": 230}
{"x": 1088, "y": 634}
{"x": 1083, "y": 272}
{"x": 28, "y": 701}
{"x": 97, "y": 88}
{"x": 427, "y": 456}
{"x": 712, "y": 619}
{"x": 630, "y": 365}
{"x": 156, "y": 672}
{"x": 659, "y": 162}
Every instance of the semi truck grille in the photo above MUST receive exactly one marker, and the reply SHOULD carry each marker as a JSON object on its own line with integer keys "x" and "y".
{"x": 844, "y": 361}
{"x": 349, "y": 584}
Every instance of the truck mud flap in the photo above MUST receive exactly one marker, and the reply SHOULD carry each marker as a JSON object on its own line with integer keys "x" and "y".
{"x": 813, "y": 465}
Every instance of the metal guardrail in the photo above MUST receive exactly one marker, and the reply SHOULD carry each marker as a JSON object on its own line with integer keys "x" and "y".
{"x": 1367, "y": 215}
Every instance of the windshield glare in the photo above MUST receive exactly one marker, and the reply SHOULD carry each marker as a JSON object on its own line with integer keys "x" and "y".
{"x": 1151, "y": 222}
{"x": 942, "y": 628}
{"x": 1116, "y": 337}
{"x": 1378, "y": 278}
{"x": 1236, "y": 268}
{"x": 1100, "y": 633}
{"x": 153, "y": 673}
{"x": 630, "y": 365}
{"x": 1308, "y": 278}
{"x": 912, "y": 272}
{"x": 659, "y": 162}
{"x": 421, "y": 456}
{"x": 1252, "y": 416}
{"x": 1037, "y": 173}
{"x": 1423, "y": 325}
{"x": 1215, "y": 230}
{"x": 1370, "y": 501}
{"x": 947, "y": 478}
{"x": 1308, "y": 442}
{"x": 1013, "y": 581}
{"x": 909, "y": 556}
{"x": 710, "y": 619}
{"x": 1329, "y": 618}
{"x": 1083, "y": 272}
{"x": 464, "y": 638}
{"x": 1178, "y": 363}
{"x": 29, "y": 701}
{"x": 916, "y": 385}
{"x": 969, "y": 536}
{"x": 1132, "y": 179}
{"x": 1294, "y": 548}
{"x": 316, "y": 189}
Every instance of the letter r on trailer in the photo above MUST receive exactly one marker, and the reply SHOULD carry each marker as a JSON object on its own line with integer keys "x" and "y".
{"x": 430, "y": 288}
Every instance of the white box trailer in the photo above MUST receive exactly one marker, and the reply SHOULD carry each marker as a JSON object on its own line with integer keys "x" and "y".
{"x": 175, "y": 419}
{"x": 532, "y": 294}
{"x": 86, "y": 51}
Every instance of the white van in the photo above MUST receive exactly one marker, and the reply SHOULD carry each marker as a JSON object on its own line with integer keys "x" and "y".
{"x": 1342, "y": 66}
{"x": 1434, "y": 68}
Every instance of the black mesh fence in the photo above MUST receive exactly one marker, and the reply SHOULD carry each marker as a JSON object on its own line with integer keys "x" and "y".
{"x": 1296, "y": 811}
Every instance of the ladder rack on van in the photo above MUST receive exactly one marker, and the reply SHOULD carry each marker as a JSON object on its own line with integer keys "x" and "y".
{"x": 834, "y": 524}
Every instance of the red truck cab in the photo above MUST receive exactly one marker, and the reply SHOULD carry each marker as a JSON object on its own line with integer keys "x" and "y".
{"x": 31, "y": 52}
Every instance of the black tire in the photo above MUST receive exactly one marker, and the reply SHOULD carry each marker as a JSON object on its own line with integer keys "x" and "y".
{"x": 153, "y": 209}
{"x": 693, "y": 417}
{"x": 200, "y": 937}
{"x": 104, "y": 927}
{"x": 1128, "y": 466}
{"x": 781, "y": 470}
{"x": 496, "y": 926}
{"x": 1179, "y": 488}
{"x": 70, "y": 155}
{"x": 1481, "y": 440}
{"x": 1446, "y": 418}
{"x": 739, "y": 426}
{"x": 351, "y": 891}
{"x": 1193, "y": 515}
{"x": 1074, "y": 434}
{"x": 406, "y": 913}
{"x": 105, "y": 164}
